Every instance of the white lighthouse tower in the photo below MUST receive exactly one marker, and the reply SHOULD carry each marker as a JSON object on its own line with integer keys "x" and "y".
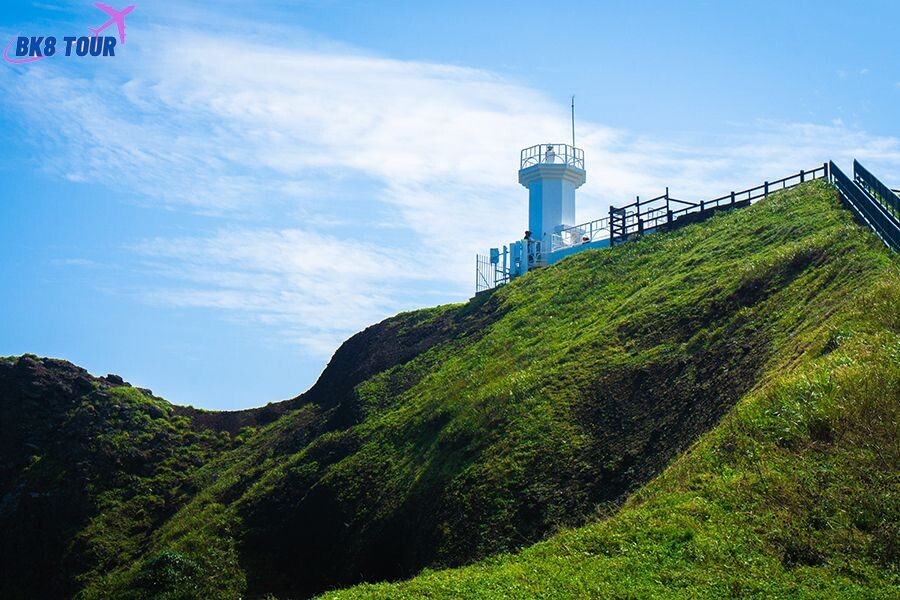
{"x": 552, "y": 173}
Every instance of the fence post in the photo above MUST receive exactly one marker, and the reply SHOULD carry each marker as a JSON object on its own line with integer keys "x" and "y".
{"x": 477, "y": 273}
{"x": 801, "y": 175}
{"x": 637, "y": 213}
{"x": 825, "y": 167}
{"x": 505, "y": 268}
{"x": 668, "y": 209}
{"x": 766, "y": 192}
{"x": 612, "y": 230}
{"x": 732, "y": 198}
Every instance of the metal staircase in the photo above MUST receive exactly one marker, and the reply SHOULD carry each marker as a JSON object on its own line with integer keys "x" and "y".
{"x": 873, "y": 203}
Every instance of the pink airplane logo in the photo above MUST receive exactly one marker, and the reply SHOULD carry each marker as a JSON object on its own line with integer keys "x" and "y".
{"x": 39, "y": 47}
{"x": 116, "y": 16}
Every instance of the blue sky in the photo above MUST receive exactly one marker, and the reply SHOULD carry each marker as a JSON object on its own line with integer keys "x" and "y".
{"x": 211, "y": 212}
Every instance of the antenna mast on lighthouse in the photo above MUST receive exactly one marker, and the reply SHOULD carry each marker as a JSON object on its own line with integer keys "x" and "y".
{"x": 573, "y": 120}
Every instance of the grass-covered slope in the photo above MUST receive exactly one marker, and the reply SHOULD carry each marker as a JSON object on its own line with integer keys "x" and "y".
{"x": 793, "y": 495}
{"x": 74, "y": 450}
{"x": 795, "y": 492}
{"x": 448, "y": 435}
{"x": 444, "y": 436}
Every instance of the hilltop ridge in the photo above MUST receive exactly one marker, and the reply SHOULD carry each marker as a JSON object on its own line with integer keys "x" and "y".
{"x": 445, "y": 436}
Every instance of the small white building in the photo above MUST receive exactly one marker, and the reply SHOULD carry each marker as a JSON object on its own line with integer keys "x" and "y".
{"x": 552, "y": 173}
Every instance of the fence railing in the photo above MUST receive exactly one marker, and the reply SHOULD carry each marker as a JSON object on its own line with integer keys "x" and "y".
{"x": 886, "y": 196}
{"x": 641, "y": 217}
{"x": 485, "y": 273}
{"x": 866, "y": 207}
{"x": 591, "y": 231}
{"x": 534, "y": 253}
{"x": 489, "y": 271}
{"x": 552, "y": 154}
{"x": 868, "y": 198}
{"x": 499, "y": 266}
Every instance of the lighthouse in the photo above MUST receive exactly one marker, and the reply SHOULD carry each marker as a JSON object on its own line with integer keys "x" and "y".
{"x": 552, "y": 173}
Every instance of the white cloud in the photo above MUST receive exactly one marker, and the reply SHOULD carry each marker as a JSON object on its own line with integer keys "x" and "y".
{"x": 361, "y": 173}
{"x": 313, "y": 287}
{"x": 76, "y": 262}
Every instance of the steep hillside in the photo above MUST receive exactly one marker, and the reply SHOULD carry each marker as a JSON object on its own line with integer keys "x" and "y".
{"x": 75, "y": 448}
{"x": 443, "y": 436}
{"x": 793, "y": 495}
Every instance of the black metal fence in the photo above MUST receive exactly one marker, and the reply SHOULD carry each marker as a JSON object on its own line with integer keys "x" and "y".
{"x": 664, "y": 213}
{"x": 868, "y": 198}
{"x": 866, "y": 206}
{"x": 882, "y": 193}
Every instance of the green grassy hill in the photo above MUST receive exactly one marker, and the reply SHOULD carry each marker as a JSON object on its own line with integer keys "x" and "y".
{"x": 707, "y": 411}
{"x": 793, "y": 494}
{"x": 74, "y": 449}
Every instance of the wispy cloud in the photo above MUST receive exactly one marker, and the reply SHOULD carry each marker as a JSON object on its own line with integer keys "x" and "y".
{"x": 77, "y": 262}
{"x": 313, "y": 287}
{"x": 362, "y": 173}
